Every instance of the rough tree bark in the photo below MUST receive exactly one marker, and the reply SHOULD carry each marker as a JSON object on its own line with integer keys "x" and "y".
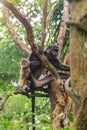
{"x": 78, "y": 52}
{"x": 57, "y": 104}
{"x": 63, "y": 26}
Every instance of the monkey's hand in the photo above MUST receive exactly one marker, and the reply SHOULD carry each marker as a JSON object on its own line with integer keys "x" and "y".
{"x": 28, "y": 82}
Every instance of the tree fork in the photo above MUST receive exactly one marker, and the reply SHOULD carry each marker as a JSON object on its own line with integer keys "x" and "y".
{"x": 30, "y": 37}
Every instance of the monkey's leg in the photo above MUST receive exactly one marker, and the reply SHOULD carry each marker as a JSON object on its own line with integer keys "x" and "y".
{"x": 46, "y": 80}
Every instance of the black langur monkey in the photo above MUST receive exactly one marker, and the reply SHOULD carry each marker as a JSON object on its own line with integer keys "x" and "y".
{"x": 35, "y": 63}
{"x": 52, "y": 54}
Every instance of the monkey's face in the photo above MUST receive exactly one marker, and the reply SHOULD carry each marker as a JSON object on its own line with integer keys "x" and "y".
{"x": 52, "y": 50}
{"x": 24, "y": 72}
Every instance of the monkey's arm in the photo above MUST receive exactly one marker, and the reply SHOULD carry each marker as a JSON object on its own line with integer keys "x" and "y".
{"x": 40, "y": 83}
{"x": 46, "y": 80}
{"x": 59, "y": 65}
{"x": 51, "y": 53}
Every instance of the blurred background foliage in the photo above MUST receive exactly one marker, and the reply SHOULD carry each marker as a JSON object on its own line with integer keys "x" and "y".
{"x": 17, "y": 111}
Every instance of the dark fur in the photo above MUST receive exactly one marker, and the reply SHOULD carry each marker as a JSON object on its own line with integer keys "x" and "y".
{"x": 51, "y": 53}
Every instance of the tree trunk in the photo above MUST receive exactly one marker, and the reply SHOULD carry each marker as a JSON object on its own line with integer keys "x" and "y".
{"x": 78, "y": 50}
{"x": 57, "y": 103}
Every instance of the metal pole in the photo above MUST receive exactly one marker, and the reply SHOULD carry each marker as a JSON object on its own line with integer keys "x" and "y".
{"x": 33, "y": 112}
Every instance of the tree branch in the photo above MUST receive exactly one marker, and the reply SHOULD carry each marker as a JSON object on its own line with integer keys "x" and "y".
{"x": 30, "y": 37}
{"x": 13, "y": 33}
{"x": 44, "y": 23}
{"x": 3, "y": 101}
{"x": 77, "y": 24}
{"x": 23, "y": 92}
{"x": 63, "y": 26}
{"x": 29, "y": 94}
{"x": 71, "y": 93}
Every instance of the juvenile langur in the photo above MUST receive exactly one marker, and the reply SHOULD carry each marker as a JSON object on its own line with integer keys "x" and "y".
{"x": 24, "y": 72}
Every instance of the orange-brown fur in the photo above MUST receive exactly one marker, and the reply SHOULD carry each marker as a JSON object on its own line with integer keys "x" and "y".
{"x": 68, "y": 101}
{"x": 24, "y": 71}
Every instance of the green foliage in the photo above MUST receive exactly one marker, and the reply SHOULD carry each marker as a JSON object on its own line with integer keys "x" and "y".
{"x": 10, "y": 55}
{"x": 53, "y": 27}
{"x": 42, "y": 114}
{"x": 9, "y": 65}
{"x": 43, "y": 104}
{"x": 67, "y": 128}
{"x": 16, "y": 113}
{"x": 71, "y": 117}
{"x": 53, "y": 22}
